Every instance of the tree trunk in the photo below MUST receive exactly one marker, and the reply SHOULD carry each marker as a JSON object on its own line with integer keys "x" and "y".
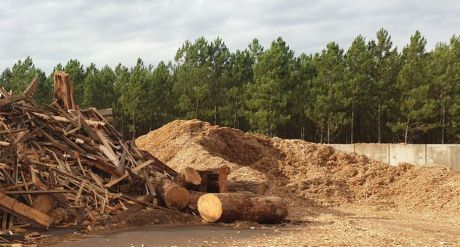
{"x": 352, "y": 124}
{"x": 214, "y": 180}
{"x": 443, "y": 122}
{"x": 215, "y": 114}
{"x": 407, "y": 132}
{"x": 229, "y": 207}
{"x": 172, "y": 195}
{"x": 379, "y": 127}
{"x": 194, "y": 196}
{"x": 251, "y": 186}
{"x": 352, "y": 118}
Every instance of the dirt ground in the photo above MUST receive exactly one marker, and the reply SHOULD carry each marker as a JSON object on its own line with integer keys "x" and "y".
{"x": 349, "y": 225}
{"x": 334, "y": 198}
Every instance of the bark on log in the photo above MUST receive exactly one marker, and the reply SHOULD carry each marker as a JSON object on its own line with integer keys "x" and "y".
{"x": 228, "y": 207}
{"x": 214, "y": 180}
{"x": 172, "y": 195}
{"x": 254, "y": 187}
{"x": 194, "y": 196}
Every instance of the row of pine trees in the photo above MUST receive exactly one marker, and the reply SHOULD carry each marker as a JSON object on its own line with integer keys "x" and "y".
{"x": 372, "y": 92}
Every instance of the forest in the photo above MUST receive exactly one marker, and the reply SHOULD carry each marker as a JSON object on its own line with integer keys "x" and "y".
{"x": 370, "y": 92}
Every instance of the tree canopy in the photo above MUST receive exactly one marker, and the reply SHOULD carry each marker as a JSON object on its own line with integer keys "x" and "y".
{"x": 369, "y": 92}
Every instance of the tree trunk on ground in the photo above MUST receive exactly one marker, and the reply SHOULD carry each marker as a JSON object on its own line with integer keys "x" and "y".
{"x": 228, "y": 207}
{"x": 172, "y": 195}
{"x": 251, "y": 186}
{"x": 193, "y": 203}
{"x": 214, "y": 180}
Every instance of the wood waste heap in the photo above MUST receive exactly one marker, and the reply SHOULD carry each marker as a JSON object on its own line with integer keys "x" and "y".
{"x": 62, "y": 166}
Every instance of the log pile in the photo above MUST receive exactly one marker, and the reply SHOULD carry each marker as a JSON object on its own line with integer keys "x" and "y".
{"x": 209, "y": 197}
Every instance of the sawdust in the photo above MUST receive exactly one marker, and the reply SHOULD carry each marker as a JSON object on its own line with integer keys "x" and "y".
{"x": 297, "y": 169}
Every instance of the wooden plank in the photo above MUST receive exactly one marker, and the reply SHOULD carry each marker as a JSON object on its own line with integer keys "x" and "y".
{"x": 20, "y": 209}
{"x": 20, "y": 192}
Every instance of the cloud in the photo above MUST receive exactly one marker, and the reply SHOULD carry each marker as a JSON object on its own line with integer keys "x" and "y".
{"x": 109, "y": 32}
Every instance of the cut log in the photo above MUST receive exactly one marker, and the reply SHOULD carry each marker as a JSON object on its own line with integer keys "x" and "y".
{"x": 229, "y": 207}
{"x": 172, "y": 195}
{"x": 194, "y": 197}
{"x": 254, "y": 187}
{"x": 190, "y": 179}
{"x": 214, "y": 180}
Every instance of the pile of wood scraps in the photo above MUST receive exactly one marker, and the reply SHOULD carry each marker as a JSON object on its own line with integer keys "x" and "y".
{"x": 64, "y": 166}
{"x": 61, "y": 165}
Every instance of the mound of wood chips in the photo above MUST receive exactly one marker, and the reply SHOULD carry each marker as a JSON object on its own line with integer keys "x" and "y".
{"x": 304, "y": 172}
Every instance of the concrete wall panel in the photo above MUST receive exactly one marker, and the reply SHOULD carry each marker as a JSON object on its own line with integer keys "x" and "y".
{"x": 419, "y": 154}
{"x": 412, "y": 153}
{"x": 349, "y": 148}
{"x": 448, "y": 155}
{"x": 377, "y": 152}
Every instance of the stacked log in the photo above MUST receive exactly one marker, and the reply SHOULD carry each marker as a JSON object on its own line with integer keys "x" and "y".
{"x": 172, "y": 195}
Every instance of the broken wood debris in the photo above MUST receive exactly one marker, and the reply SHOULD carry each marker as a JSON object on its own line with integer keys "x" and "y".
{"x": 72, "y": 156}
{"x": 61, "y": 165}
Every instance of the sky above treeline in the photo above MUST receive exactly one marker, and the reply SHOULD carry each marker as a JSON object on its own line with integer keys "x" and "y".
{"x": 109, "y": 32}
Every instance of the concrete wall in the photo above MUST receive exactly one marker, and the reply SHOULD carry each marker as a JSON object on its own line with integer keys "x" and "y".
{"x": 420, "y": 154}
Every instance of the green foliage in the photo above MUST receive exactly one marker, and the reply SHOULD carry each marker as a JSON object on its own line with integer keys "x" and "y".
{"x": 417, "y": 105}
{"x": 360, "y": 85}
{"x": 328, "y": 91}
{"x": 271, "y": 90}
{"x": 21, "y": 74}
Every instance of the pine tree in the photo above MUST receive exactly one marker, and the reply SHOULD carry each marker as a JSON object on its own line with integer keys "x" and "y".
{"x": 385, "y": 74}
{"x": 445, "y": 67}
{"x": 270, "y": 92}
{"x": 21, "y": 74}
{"x": 359, "y": 86}
{"x": 417, "y": 105}
{"x": 328, "y": 90}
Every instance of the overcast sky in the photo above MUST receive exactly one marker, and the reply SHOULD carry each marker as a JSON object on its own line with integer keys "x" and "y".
{"x": 108, "y": 32}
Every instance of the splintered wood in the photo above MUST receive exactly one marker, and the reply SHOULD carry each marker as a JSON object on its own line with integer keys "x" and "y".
{"x": 60, "y": 165}
{"x": 69, "y": 159}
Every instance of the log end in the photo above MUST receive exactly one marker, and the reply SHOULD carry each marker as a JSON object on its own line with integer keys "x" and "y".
{"x": 210, "y": 207}
{"x": 191, "y": 176}
{"x": 177, "y": 198}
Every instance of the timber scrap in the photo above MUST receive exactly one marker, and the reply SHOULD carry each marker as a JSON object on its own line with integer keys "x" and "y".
{"x": 61, "y": 157}
{"x": 64, "y": 166}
